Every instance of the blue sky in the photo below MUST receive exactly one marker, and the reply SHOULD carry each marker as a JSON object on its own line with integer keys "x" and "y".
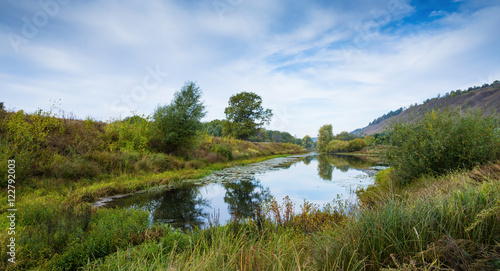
{"x": 343, "y": 63}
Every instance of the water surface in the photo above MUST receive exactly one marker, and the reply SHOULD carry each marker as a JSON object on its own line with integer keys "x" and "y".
{"x": 318, "y": 179}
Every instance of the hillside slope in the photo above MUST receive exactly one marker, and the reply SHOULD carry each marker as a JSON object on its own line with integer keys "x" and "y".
{"x": 486, "y": 98}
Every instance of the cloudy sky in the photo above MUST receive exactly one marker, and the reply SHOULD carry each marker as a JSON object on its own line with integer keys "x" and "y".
{"x": 317, "y": 62}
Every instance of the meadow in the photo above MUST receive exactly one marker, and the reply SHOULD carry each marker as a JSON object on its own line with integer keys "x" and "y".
{"x": 429, "y": 218}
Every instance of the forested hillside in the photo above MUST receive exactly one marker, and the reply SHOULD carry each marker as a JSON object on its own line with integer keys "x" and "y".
{"x": 486, "y": 97}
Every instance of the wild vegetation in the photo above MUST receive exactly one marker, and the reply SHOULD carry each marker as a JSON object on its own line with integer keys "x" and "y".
{"x": 420, "y": 215}
{"x": 442, "y": 141}
{"x": 444, "y": 221}
{"x": 63, "y": 165}
{"x": 343, "y": 142}
{"x": 451, "y": 222}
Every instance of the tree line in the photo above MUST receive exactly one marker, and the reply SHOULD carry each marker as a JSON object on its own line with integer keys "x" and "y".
{"x": 342, "y": 142}
{"x": 178, "y": 123}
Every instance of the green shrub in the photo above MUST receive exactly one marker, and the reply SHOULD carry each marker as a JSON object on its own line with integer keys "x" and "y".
{"x": 441, "y": 141}
{"x": 223, "y": 150}
{"x": 337, "y": 146}
{"x": 356, "y": 145}
{"x": 130, "y": 134}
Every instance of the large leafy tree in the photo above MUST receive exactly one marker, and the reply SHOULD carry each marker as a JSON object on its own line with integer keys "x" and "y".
{"x": 245, "y": 115}
{"x": 325, "y": 136}
{"x": 177, "y": 123}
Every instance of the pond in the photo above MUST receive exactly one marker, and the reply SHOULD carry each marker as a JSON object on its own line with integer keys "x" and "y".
{"x": 318, "y": 179}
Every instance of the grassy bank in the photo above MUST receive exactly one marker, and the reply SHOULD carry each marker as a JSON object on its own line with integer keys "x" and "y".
{"x": 455, "y": 225}
{"x": 451, "y": 221}
{"x": 64, "y": 165}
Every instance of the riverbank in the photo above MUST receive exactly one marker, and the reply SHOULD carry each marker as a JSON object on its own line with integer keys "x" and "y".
{"x": 57, "y": 226}
{"x": 450, "y": 221}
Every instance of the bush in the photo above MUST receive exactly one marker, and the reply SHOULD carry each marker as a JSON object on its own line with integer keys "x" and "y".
{"x": 223, "y": 150}
{"x": 130, "y": 134}
{"x": 356, "y": 145}
{"x": 441, "y": 141}
{"x": 337, "y": 146}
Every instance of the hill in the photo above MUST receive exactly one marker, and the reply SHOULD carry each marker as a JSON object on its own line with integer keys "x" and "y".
{"x": 486, "y": 97}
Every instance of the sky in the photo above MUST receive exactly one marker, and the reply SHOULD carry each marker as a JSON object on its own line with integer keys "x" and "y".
{"x": 313, "y": 62}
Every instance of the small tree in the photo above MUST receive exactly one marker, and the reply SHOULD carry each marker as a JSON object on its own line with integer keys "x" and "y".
{"x": 307, "y": 142}
{"x": 245, "y": 115}
{"x": 325, "y": 136}
{"x": 176, "y": 124}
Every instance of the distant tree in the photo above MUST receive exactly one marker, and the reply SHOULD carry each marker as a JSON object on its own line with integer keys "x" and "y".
{"x": 325, "y": 136}
{"x": 298, "y": 141}
{"x": 307, "y": 142}
{"x": 176, "y": 124}
{"x": 213, "y": 128}
{"x": 245, "y": 115}
{"x": 345, "y": 136}
{"x": 260, "y": 136}
{"x": 287, "y": 138}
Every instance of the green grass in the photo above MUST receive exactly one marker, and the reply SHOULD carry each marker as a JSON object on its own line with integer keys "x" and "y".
{"x": 450, "y": 220}
{"x": 446, "y": 222}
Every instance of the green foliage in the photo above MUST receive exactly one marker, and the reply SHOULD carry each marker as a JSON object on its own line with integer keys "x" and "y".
{"x": 31, "y": 130}
{"x": 337, "y": 146}
{"x": 245, "y": 115}
{"x": 261, "y": 135}
{"x": 442, "y": 141}
{"x": 131, "y": 134}
{"x": 223, "y": 150}
{"x": 356, "y": 145}
{"x": 307, "y": 142}
{"x": 109, "y": 230}
{"x": 345, "y": 136}
{"x": 213, "y": 128}
{"x": 25, "y": 138}
{"x": 325, "y": 136}
{"x": 177, "y": 124}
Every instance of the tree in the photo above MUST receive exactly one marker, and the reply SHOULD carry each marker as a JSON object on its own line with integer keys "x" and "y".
{"x": 307, "y": 142}
{"x": 213, "y": 128}
{"x": 325, "y": 136}
{"x": 176, "y": 124}
{"x": 245, "y": 115}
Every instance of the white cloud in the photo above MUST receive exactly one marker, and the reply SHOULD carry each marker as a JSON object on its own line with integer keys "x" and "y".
{"x": 310, "y": 72}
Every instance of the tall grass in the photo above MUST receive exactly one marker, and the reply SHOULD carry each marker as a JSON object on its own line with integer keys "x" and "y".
{"x": 457, "y": 229}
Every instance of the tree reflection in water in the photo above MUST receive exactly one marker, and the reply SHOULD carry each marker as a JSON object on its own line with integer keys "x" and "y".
{"x": 182, "y": 208}
{"x": 188, "y": 205}
{"x": 307, "y": 160}
{"x": 243, "y": 197}
{"x": 328, "y": 162}
{"x": 325, "y": 168}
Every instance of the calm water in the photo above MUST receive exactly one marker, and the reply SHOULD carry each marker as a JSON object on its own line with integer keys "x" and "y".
{"x": 315, "y": 178}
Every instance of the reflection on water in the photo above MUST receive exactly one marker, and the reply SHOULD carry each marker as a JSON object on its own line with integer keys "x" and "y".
{"x": 315, "y": 178}
{"x": 243, "y": 197}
